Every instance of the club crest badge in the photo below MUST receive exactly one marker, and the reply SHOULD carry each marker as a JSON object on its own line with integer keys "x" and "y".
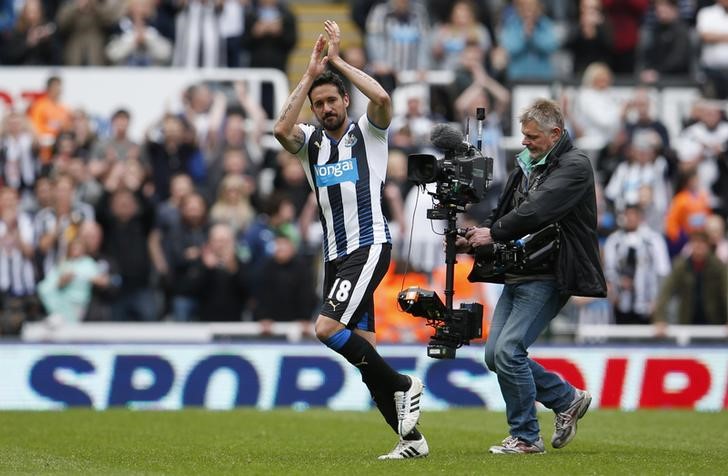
{"x": 350, "y": 140}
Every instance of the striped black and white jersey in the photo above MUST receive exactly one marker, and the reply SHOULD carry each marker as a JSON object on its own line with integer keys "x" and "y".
{"x": 347, "y": 177}
{"x": 17, "y": 274}
{"x": 46, "y": 221}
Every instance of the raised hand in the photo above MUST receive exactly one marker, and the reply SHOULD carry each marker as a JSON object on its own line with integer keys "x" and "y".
{"x": 333, "y": 32}
{"x": 318, "y": 61}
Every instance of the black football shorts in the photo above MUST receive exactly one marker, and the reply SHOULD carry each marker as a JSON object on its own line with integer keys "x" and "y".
{"x": 349, "y": 284}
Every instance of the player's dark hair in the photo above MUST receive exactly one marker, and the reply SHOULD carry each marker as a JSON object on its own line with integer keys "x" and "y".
{"x": 328, "y": 77}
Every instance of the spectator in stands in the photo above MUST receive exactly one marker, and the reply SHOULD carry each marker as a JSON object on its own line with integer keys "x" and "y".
{"x": 84, "y": 24}
{"x": 17, "y": 281}
{"x": 7, "y": 16}
{"x": 471, "y": 78}
{"x": 417, "y": 121}
{"x": 270, "y": 34}
{"x": 88, "y": 188}
{"x": 638, "y": 116}
{"x": 218, "y": 277}
{"x": 703, "y": 144}
{"x": 135, "y": 41}
{"x": 204, "y": 111}
{"x": 666, "y": 49}
{"x": 712, "y": 27}
{"x": 642, "y": 180}
{"x": 715, "y": 228}
{"x": 396, "y": 187}
{"x": 171, "y": 150}
{"x": 357, "y": 57}
{"x": 233, "y": 206}
{"x": 117, "y": 147}
{"x": 449, "y": 38}
{"x": 65, "y": 291}
{"x": 167, "y": 220}
{"x": 258, "y": 242}
{"x": 290, "y": 179}
{"x": 232, "y": 27}
{"x": 57, "y": 225}
{"x": 198, "y": 42}
{"x": 360, "y": 10}
{"x": 625, "y": 18}
{"x": 84, "y": 134}
{"x": 41, "y": 197}
{"x": 252, "y": 120}
{"x": 597, "y": 112}
{"x": 49, "y": 116}
{"x": 33, "y": 41}
{"x": 688, "y": 212}
{"x": 529, "y": 38}
{"x": 590, "y": 39}
{"x": 611, "y": 156}
{"x": 424, "y": 235}
{"x": 635, "y": 263}
{"x": 720, "y": 186}
{"x": 478, "y": 89}
{"x": 185, "y": 243}
{"x": 107, "y": 283}
{"x": 710, "y": 129}
{"x": 234, "y": 162}
{"x": 699, "y": 284}
{"x": 126, "y": 216}
{"x": 687, "y": 10}
{"x": 64, "y": 149}
{"x": 285, "y": 271}
{"x": 397, "y": 39}
{"x": 606, "y": 219}
{"x": 242, "y": 128}
{"x": 18, "y": 160}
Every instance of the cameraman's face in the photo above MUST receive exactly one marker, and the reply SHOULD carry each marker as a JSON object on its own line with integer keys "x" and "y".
{"x": 329, "y": 106}
{"x": 537, "y": 141}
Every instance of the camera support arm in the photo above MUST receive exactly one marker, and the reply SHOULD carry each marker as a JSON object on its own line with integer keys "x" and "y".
{"x": 450, "y": 256}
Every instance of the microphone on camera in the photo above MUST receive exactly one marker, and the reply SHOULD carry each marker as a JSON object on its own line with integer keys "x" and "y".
{"x": 446, "y": 137}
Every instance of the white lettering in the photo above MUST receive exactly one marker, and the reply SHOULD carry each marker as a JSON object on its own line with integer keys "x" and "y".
{"x": 337, "y": 169}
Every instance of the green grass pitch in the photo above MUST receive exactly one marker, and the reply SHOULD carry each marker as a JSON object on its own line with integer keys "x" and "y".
{"x": 318, "y": 442}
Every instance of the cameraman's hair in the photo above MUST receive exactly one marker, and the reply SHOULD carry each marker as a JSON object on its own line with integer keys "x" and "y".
{"x": 328, "y": 77}
{"x": 545, "y": 113}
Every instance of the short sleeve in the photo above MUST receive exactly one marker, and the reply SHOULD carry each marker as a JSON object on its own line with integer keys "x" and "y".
{"x": 308, "y": 131}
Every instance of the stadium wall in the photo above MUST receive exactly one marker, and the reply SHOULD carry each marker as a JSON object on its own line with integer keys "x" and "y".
{"x": 268, "y": 375}
{"x": 147, "y": 93}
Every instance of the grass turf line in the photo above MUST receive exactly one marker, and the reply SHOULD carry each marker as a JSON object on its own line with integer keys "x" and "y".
{"x": 317, "y": 442}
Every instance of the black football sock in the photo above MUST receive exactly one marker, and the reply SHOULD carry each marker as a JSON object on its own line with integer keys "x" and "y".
{"x": 385, "y": 405}
{"x": 413, "y": 435}
{"x": 375, "y": 371}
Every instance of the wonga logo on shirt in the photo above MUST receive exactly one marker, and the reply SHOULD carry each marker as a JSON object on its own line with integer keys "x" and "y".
{"x": 339, "y": 172}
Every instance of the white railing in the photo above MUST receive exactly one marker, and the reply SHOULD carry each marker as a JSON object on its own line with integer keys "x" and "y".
{"x": 682, "y": 334}
{"x": 199, "y": 332}
{"x": 203, "y": 332}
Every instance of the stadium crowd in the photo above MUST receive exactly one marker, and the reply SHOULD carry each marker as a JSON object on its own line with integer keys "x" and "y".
{"x": 203, "y": 220}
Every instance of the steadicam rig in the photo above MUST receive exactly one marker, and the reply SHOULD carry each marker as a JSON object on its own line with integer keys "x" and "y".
{"x": 461, "y": 177}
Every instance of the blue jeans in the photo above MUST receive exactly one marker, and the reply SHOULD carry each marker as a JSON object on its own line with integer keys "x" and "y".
{"x": 523, "y": 311}
{"x": 184, "y": 308}
{"x": 135, "y": 305}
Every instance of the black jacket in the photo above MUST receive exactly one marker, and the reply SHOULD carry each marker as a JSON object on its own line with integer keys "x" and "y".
{"x": 564, "y": 193}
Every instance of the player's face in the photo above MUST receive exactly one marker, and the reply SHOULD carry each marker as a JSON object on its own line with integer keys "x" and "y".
{"x": 329, "y": 106}
{"x": 537, "y": 141}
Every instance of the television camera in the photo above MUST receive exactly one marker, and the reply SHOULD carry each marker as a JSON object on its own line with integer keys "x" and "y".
{"x": 461, "y": 177}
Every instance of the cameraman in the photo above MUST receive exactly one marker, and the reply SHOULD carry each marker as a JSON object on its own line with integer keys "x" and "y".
{"x": 553, "y": 183}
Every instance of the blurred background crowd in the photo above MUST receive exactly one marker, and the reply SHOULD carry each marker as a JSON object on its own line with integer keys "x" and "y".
{"x": 203, "y": 219}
